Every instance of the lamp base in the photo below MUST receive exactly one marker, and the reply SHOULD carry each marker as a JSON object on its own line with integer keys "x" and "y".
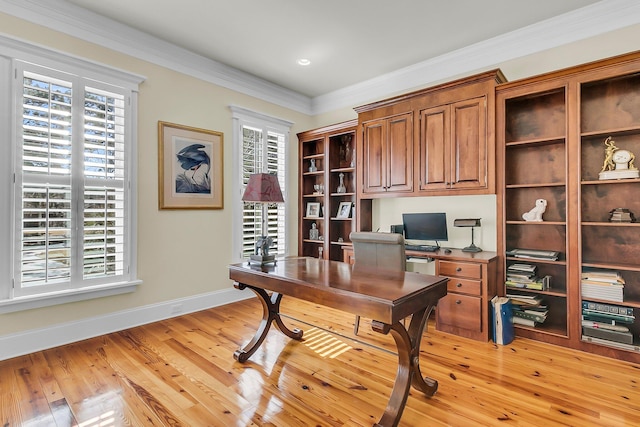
{"x": 262, "y": 259}
{"x": 472, "y": 248}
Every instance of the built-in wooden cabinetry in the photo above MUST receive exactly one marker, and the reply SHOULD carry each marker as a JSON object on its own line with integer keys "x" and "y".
{"x": 453, "y": 147}
{"x": 327, "y": 182}
{"x": 551, "y": 145}
{"x": 387, "y": 156}
{"x": 436, "y": 141}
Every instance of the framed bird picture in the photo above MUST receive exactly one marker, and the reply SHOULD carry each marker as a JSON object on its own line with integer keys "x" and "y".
{"x": 190, "y": 167}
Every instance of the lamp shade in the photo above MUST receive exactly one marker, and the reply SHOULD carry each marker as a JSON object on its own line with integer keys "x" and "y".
{"x": 263, "y": 187}
{"x": 467, "y": 222}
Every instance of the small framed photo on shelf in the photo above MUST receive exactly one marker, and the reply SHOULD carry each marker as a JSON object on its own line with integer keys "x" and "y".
{"x": 313, "y": 210}
{"x": 344, "y": 210}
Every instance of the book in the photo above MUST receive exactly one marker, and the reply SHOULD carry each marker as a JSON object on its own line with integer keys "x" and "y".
{"x": 528, "y": 268}
{"x": 604, "y": 325}
{"x": 517, "y": 299}
{"x": 601, "y": 275}
{"x": 605, "y": 317}
{"x": 536, "y": 317}
{"x": 608, "y": 308}
{"x": 524, "y": 322}
{"x": 619, "y": 345}
{"x": 534, "y": 254}
{"x": 607, "y": 334}
{"x": 606, "y": 291}
{"x": 502, "y": 328}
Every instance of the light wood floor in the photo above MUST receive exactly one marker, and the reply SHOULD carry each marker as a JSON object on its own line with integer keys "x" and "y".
{"x": 181, "y": 372}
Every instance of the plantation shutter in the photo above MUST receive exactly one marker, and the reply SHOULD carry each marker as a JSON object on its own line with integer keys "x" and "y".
{"x": 70, "y": 183}
{"x": 263, "y": 151}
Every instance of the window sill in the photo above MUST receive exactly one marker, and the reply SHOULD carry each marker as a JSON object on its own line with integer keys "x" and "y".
{"x": 63, "y": 297}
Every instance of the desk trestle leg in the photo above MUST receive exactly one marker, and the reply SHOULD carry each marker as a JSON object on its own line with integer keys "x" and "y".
{"x": 408, "y": 343}
{"x": 270, "y": 314}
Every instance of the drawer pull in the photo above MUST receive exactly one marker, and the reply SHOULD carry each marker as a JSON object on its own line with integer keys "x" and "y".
{"x": 459, "y": 269}
{"x": 459, "y": 285}
{"x": 458, "y": 301}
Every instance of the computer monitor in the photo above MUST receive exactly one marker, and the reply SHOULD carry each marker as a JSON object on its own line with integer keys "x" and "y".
{"x": 425, "y": 227}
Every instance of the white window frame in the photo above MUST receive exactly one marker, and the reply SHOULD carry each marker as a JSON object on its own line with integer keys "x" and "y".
{"x": 245, "y": 117}
{"x": 12, "y": 53}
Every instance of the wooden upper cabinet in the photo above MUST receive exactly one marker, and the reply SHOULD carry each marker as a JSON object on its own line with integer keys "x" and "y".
{"x": 434, "y": 145}
{"x": 388, "y": 155}
{"x": 453, "y": 146}
{"x": 437, "y": 141}
{"x": 469, "y": 149}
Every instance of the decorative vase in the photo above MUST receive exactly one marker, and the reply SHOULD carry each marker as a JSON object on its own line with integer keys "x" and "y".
{"x": 341, "y": 187}
{"x": 312, "y": 167}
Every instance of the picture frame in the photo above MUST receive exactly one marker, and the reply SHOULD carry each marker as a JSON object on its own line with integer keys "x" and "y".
{"x": 190, "y": 167}
{"x": 344, "y": 210}
{"x": 313, "y": 210}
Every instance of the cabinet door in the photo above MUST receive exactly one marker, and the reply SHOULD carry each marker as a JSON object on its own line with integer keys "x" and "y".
{"x": 469, "y": 144}
{"x": 388, "y": 155}
{"x": 434, "y": 146}
{"x": 374, "y": 157}
{"x": 400, "y": 153}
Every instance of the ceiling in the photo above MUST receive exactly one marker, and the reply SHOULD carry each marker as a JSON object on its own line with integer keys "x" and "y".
{"x": 360, "y": 50}
{"x": 347, "y": 41}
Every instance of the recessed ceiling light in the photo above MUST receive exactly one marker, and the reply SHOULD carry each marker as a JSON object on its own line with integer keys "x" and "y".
{"x": 303, "y": 61}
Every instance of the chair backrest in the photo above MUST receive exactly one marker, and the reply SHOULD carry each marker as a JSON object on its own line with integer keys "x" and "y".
{"x": 381, "y": 250}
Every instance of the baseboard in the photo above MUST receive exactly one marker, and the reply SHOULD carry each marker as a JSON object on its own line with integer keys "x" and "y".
{"x": 64, "y": 333}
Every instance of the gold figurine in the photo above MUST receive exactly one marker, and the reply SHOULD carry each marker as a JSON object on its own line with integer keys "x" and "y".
{"x": 618, "y": 163}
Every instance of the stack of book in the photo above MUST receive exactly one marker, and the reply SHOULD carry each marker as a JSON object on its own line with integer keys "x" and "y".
{"x": 528, "y": 310}
{"x": 524, "y": 276}
{"x": 602, "y": 284}
{"x": 534, "y": 254}
{"x": 607, "y": 324}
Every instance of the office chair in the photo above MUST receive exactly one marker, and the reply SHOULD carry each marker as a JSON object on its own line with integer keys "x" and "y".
{"x": 380, "y": 250}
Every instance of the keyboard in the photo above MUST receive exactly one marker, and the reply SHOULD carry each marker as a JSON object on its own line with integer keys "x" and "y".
{"x": 421, "y": 248}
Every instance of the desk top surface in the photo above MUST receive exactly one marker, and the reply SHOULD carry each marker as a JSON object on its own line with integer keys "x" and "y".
{"x": 379, "y": 294}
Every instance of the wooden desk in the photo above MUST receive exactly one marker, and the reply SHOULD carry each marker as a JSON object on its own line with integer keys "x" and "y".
{"x": 473, "y": 276}
{"x": 385, "y": 296}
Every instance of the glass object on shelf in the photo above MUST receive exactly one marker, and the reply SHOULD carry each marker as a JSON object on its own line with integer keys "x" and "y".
{"x": 314, "y": 233}
{"x": 320, "y": 250}
{"x": 312, "y": 166}
{"x": 319, "y": 188}
{"x": 341, "y": 186}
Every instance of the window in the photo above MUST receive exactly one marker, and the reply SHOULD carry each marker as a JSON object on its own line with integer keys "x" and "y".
{"x": 73, "y": 148}
{"x": 260, "y": 145}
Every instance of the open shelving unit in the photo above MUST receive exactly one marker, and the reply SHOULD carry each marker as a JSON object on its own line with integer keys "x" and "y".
{"x": 550, "y": 134}
{"x": 535, "y": 151}
{"x": 332, "y": 149}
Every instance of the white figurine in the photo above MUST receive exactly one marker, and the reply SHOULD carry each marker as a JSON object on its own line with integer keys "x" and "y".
{"x": 535, "y": 214}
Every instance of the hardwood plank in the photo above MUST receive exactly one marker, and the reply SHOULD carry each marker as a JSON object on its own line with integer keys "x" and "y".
{"x": 181, "y": 371}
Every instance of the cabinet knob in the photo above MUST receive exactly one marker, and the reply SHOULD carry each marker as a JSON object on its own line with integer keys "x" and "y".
{"x": 459, "y": 269}
{"x": 459, "y": 285}
{"x": 458, "y": 301}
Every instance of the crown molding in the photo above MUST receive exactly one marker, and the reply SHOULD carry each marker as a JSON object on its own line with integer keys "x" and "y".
{"x": 589, "y": 21}
{"x": 69, "y": 19}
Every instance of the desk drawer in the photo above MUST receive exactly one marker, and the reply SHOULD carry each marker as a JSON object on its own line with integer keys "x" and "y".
{"x": 464, "y": 286}
{"x": 459, "y": 269}
{"x": 460, "y": 311}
